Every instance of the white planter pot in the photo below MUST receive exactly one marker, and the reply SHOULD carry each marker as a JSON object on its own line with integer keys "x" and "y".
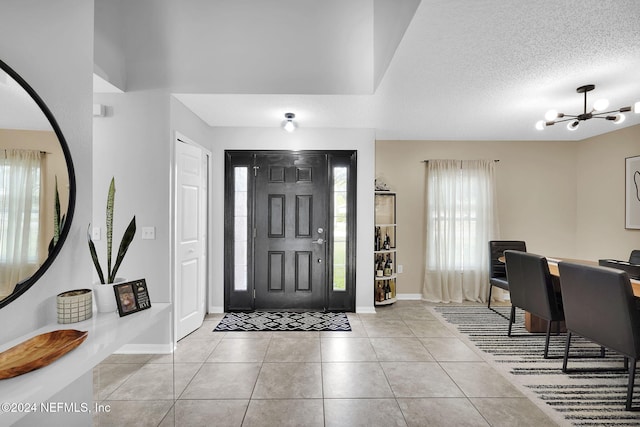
{"x": 105, "y": 297}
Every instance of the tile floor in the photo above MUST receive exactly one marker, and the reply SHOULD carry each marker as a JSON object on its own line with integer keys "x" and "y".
{"x": 399, "y": 367}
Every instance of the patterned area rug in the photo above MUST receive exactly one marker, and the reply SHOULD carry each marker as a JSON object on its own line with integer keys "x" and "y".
{"x": 283, "y": 321}
{"x": 583, "y": 399}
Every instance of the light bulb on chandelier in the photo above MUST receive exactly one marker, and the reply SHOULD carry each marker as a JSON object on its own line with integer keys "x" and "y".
{"x": 597, "y": 112}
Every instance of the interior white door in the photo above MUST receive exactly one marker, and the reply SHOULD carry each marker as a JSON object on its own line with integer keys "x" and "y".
{"x": 191, "y": 237}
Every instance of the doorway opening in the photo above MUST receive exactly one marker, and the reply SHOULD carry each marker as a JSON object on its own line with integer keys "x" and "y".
{"x": 290, "y": 230}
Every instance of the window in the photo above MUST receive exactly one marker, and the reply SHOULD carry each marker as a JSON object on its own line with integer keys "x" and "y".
{"x": 461, "y": 218}
{"x": 240, "y": 233}
{"x": 20, "y": 208}
{"x": 339, "y": 228}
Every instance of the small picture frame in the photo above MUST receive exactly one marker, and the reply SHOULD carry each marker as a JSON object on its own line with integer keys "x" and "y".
{"x": 132, "y": 297}
{"x": 632, "y": 193}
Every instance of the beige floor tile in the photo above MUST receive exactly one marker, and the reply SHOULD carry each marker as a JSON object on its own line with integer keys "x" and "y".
{"x": 507, "y": 412}
{"x": 205, "y": 413}
{"x": 195, "y": 350}
{"x": 441, "y": 412}
{"x": 133, "y": 413}
{"x": 151, "y": 382}
{"x": 289, "y": 381}
{"x": 239, "y": 350}
{"x": 363, "y": 413}
{"x": 293, "y": 350}
{"x": 420, "y": 379}
{"x": 428, "y": 328}
{"x": 398, "y": 365}
{"x": 223, "y": 381}
{"x": 347, "y": 350}
{"x": 478, "y": 379}
{"x": 354, "y": 380}
{"x": 284, "y": 413}
{"x": 204, "y": 332}
{"x": 450, "y": 349}
{"x": 108, "y": 377}
{"x": 183, "y": 373}
{"x": 392, "y": 328}
{"x": 400, "y": 349}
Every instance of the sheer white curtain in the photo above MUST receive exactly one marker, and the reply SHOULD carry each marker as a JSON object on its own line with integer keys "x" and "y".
{"x": 461, "y": 218}
{"x": 19, "y": 216}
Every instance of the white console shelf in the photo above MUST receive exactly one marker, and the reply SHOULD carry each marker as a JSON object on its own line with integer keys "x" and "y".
{"x": 107, "y": 333}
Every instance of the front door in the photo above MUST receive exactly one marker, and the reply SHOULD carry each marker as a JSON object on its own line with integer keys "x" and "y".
{"x": 290, "y": 238}
{"x": 290, "y": 230}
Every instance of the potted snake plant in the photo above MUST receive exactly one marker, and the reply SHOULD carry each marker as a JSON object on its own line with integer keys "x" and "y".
{"x": 104, "y": 291}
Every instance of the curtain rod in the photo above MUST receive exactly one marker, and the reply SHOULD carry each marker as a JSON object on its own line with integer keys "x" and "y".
{"x": 5, "y": 150}
{"x": 427, "y": 161}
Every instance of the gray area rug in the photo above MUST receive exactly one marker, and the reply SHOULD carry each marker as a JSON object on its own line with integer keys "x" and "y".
{"x": 283, "y": 321}
{"x": 583, "y": 399}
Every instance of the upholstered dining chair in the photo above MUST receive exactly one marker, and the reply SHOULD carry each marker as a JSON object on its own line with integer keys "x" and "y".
{"x": 497, "y": 271}
{"x": 599, "y": 306}
{"x": 532, "y": 290}
{"x": 634, "y": 258}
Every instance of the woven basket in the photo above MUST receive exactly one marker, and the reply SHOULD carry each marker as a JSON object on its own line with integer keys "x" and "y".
{"x": 75, "y": 306}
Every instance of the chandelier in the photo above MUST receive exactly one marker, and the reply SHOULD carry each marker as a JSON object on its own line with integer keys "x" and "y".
{"x": 597, "y": 112}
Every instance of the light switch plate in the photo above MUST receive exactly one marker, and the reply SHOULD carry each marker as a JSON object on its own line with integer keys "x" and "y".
{"x": 95, "y": 233}
{"x": 148, "y": 233}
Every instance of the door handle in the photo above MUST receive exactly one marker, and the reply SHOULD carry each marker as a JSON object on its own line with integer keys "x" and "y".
{"x": 320, "y": 241}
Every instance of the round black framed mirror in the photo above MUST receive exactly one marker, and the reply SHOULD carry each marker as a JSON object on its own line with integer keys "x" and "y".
{"x": 37, "y": 186}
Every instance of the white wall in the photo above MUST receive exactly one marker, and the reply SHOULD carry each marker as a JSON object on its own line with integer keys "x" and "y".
{"x": 132, "y": 144}
{"x": 50, "y": 44}
{"x": 109, "y": 61}
{"x": 361, "y": 140}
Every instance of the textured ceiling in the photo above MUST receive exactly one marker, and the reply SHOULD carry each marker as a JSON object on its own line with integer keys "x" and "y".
{"x": 470, "y": 70}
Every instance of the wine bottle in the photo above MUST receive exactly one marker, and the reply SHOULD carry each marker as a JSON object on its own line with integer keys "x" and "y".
{"x": 378, "y": 243}
{"x": 379, "y": 267}
{"x": 387, "y": 266}
{"x": 390, "y": 261}
{"x": 387, "y": 291}
{"x": 387, "y": 242}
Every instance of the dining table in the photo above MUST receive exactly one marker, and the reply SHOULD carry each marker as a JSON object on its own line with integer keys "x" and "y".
{"x": 533, "y": 323}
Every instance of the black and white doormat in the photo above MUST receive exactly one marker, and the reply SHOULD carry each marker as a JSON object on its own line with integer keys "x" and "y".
{"x": 283, "y": 321}
{"x": 582, "y": 399}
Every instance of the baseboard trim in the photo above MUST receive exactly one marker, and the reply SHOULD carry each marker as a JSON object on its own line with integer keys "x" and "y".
{"x": 366, "y": 310}
{"x": 409, "y": 297}
{"x": 216, "y": 309}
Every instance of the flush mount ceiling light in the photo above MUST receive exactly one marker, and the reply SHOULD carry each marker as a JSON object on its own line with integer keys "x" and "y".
{"x": 289, "y": 125}
{"x": 597, "y": 112}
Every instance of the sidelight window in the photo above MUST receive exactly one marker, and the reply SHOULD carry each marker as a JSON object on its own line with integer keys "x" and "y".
{"x": 339, "y": 228}
{"x": 240, "y": 233}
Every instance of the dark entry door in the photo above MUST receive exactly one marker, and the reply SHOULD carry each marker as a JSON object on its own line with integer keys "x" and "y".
{"x": 291, "y": 204}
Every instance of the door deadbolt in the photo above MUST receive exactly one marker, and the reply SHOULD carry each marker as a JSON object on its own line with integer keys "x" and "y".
{"x": 320, "y": 230}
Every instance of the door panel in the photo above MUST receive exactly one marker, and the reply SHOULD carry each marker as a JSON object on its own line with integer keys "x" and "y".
{"x": 191, "y": 237}
{"x": 291, "y": 204}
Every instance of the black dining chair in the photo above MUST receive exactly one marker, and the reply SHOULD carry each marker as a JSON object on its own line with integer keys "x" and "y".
{"x": 599, "y": 306}
{"x": 634, "y": 258}
{"x": 497, "y": 271}
{"x": 532, "y": 290}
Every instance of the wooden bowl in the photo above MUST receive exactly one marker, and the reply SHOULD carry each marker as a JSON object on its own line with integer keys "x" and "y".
{"x": 39, "y": 351}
